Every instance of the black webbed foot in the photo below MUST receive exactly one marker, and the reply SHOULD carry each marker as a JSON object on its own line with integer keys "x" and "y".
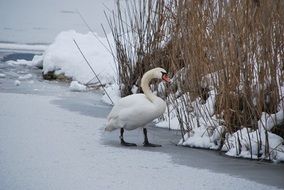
{"x": 122, "y": 142}
{"x": 147, "y": 144}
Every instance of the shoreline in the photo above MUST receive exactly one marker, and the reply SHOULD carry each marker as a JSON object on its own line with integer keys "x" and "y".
{"x": 11, "y": 47}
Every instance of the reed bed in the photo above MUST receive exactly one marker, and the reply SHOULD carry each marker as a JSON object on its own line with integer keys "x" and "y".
{"x": 232, "y": 49}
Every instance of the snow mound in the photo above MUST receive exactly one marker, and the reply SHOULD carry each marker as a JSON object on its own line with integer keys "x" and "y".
{"x": 2, "y": 75}
{"x": 78, "y": 87}
{"x": 63, "y": 57}
{"x": 267, "y": 121}
{"x": 253, "y": 144}
{"x": 17, "y": 82}
{"x": 26, "y": 76}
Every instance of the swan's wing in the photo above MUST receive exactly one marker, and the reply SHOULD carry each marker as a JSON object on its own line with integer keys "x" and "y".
{"x": 131, "y": 110}
{"x": 120, "y": 105}
{"x": 137, "y": 116}
{"x": 126, "y": 102}
{"x": 134, "y": 111}
{"x": 139, "y": 113}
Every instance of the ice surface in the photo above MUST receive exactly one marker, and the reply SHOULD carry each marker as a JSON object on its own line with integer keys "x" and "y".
{"x": 39, "y": 21}
{"x": 2, "y": 75}
{"x": 21, "y": 47}
{"x": 61, "y": 149}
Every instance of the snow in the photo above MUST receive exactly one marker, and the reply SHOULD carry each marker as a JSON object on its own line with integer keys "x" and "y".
{"x": 171, "y": 123}
{"x": 17, "y": 82}
{"x": 2, "y": 75}
{"x": 62, "y": 56}
{"x": 248, "y": 150}
{"x": 76, "y": 86}
{"x": 202, "y": 137}
{"x": 113, "y": 92}
{"x": 35, "y": 62}
{"x": 267, "y": 121}
{"x": 26, "y": 76}
{"x": 61, "y": 149}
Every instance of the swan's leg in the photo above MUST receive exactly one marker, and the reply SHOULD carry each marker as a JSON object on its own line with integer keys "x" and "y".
{"x": 122, "y": 142}
{"x": 146, "y": 142}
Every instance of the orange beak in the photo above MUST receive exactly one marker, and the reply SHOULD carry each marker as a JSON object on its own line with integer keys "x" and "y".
{"x": 166, "y": 78}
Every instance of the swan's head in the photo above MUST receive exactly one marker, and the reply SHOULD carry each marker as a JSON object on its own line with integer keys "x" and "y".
{"x": 161, "y": 73}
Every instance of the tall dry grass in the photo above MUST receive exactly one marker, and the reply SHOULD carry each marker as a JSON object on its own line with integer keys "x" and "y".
{"x": 234, "y": 47}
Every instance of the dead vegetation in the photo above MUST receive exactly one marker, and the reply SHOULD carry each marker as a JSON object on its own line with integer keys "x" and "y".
{"x": 233, "y": 47}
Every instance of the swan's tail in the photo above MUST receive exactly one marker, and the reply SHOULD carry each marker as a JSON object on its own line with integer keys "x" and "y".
{"x": 109, "y": 128}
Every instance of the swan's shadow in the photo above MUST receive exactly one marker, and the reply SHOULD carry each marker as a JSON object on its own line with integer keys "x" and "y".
{"x": 84, "y": 103}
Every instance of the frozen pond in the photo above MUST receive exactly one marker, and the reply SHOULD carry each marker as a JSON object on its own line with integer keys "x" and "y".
{"x": 53, "y": 138}
{"x": 89, "y": 106}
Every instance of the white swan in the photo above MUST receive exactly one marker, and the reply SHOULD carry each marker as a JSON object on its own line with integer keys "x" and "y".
{"x": 137, "y": 110}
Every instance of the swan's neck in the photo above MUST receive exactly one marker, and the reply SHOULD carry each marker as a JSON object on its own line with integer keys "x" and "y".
{"x": 147, "y": 77}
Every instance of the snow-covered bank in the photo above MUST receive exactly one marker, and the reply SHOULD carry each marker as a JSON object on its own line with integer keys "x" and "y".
{"x": 61, "y": 149}
{"x": 205, "y": 131}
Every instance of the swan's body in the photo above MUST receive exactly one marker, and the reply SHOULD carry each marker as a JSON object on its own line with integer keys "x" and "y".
{"x": 138, "y": 110}
{"x": 134, "y": 111}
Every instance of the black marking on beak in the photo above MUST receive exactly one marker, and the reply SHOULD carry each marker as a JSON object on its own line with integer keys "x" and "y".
{"x": 163, "y": 73}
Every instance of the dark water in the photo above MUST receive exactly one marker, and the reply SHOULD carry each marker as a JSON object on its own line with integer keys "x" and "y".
{"x": 16, "y": 56}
